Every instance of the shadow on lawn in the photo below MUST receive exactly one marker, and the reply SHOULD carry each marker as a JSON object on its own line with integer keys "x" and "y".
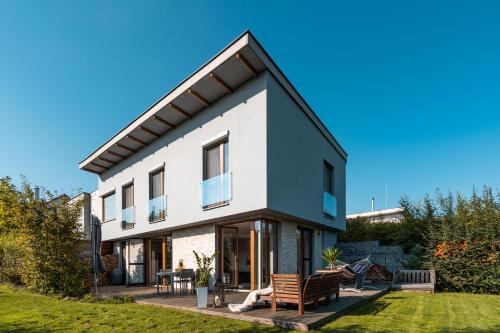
{"x": 361, "y": 328}
{"x": 19, "y": 327}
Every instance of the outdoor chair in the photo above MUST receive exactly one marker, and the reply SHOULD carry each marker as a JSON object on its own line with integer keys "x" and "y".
{"x": 184, "y": 279}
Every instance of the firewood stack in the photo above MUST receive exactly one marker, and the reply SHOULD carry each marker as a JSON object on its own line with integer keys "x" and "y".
{"x": 378, "y": 273}
{"x": 110, "y": 262}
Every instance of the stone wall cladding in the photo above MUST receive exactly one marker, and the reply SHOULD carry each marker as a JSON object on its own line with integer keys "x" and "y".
{"x": 201, "y": 239}
{"x": 287, "y": 255}
{"x": 390, "y": 257}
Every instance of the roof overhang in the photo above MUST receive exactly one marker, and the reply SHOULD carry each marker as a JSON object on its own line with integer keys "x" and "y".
{"x": 241, "y": 61}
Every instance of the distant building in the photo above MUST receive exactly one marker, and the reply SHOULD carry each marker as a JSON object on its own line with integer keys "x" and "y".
{"x": 85, "y": 217}
{"x": 377, "y": 216}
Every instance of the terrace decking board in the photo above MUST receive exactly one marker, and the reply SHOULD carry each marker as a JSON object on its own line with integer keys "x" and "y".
{"x": 285, "y": 316}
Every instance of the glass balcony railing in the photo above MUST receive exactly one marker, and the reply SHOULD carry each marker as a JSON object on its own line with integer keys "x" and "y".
{"x": 216, "y": 191}
{"x": 157, "y": 208}
{"x": 128, "y": 217}
{"x": 329, "y": 204}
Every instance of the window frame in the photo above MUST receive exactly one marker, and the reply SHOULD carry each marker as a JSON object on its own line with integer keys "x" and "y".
{"x": 223, "y": 144}
{"x": 103, "y": 198}
{"x": 330, "y": 170}
{"x": 162, "y": 190}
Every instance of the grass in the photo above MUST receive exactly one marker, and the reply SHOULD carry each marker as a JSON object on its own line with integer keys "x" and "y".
{"x": 23, "y": 311}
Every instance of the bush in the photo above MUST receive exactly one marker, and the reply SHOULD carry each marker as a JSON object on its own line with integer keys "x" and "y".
{"x": 10, "y": 259}
{"x": 460, "y": 239}
{"x": 52, "y": 239}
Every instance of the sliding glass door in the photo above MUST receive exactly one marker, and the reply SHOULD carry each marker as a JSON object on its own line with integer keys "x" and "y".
{"x": 304, "y": 252}
{"x": 264, "y": 252}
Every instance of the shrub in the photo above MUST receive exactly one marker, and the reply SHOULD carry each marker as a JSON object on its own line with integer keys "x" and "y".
{"x": 10, "y": 259}
{"x": 52, "y": 239}
{"x": 460, "y": 239}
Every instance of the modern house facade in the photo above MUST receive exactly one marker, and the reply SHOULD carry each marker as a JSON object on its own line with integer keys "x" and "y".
{"x": 232, "y": 161}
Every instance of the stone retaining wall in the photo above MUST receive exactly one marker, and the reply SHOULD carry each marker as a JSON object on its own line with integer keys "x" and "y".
{"x": 390, "y": 257}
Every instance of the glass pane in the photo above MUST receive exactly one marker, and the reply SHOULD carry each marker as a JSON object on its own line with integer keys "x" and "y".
{"x": 128, "y": 217}
{"x": 169, "y": 252}
{"x": 329, "y": 204}
{"x": 307, "y": 244}
{"x": 229, "y": 254}
{"x": 216, "y": 190}
{"x": 109, "y": 207}
{"x": 226, "y": 157}
{"x": 156, "y": 259}
{"x": 212, "y": 162}
{"x": 156, "y": 184}
{"x": 128, "y": 196}
{"x": 157, "y": 208}
{"x": 136, "y": 261}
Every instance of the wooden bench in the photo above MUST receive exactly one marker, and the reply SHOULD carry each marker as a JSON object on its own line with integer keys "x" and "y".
{"x": 414, "y": 280}
{"x": 289, "y": 288}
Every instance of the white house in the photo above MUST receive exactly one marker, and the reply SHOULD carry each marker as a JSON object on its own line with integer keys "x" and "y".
{"x": 383, "y": 215}
{"x": 232, "y": 160}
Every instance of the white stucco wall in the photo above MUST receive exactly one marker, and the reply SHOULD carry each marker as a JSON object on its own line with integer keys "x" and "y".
{"x": 296, "y": 150}
{"x": 243, "y": 116}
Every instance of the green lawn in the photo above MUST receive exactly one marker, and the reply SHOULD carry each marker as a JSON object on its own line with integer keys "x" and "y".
{"x": 22, "y": 311}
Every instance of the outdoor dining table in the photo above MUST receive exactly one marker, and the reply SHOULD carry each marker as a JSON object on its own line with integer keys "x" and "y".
{"x": 161, "y": 274}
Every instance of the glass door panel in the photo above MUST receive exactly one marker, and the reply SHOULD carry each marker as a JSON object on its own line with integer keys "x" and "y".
{"x": 229, "y": 256}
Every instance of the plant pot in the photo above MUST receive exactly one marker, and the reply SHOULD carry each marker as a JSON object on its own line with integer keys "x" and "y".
{"x": 202, "y": 296}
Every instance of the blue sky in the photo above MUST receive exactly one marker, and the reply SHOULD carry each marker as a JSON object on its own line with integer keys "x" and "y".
{"x": 411, "y": 89}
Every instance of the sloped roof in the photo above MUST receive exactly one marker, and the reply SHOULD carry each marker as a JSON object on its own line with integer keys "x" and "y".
{"x": 239, "y": 62}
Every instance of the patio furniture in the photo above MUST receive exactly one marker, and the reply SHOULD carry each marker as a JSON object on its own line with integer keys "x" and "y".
{"x": 289, "y": 288}
{"x": 356, "y": 273}
{"x": 184, "y": 279}
{"x": 160, "y": 276}
{"x": 414, "y": 280}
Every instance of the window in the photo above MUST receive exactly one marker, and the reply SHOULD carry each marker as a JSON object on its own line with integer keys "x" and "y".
{"x": 216, "y": 185}
{"x": 108, "y": 207}
{"x": 216, "y": 160}
{"x": 328, "y": 178}
{"x": 128, "y": 196}
{"x": 128, "y": 211}
{"x": 157, "y": 198}
{"x": 329, "y": 200}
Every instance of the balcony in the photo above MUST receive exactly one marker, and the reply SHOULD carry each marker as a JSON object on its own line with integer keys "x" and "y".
{"x": 157, "y": 209}
{"x": 128, "y": 217}
{"x": 329, "y": 204}
{"x": 216, "y": 191}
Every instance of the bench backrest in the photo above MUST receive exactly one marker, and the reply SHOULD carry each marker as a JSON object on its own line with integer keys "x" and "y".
{"x": 313, "y": 287}
{"x": 416, "y": 276}
{"x": 331, "y": 281}
{"x": 286, "y": 287}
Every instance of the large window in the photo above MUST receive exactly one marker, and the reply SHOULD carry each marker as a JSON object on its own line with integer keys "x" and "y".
{"x": 157, "y": 198}
{"x": 328, "y": 178}
{"x": 108, "y": 207}
{"x": 329, "y": 199}
{"x": 128, "y": 211}
{"x": 216, "y": 160}
{"x": 216, "y": 185}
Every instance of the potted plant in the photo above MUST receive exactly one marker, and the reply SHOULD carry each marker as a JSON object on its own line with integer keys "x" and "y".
{"x": 331, "y": 255}
{"x": 205, "y": 268}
